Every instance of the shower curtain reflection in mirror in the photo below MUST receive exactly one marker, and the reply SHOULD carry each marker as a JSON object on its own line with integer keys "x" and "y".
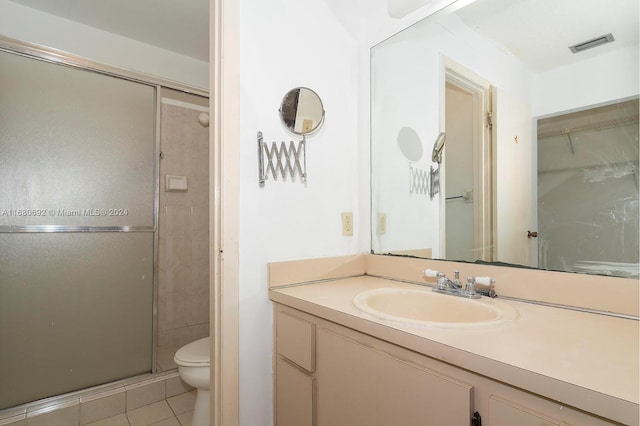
{"x": 588, "y": 190}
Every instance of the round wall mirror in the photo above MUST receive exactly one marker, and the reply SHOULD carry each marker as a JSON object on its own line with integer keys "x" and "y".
{"x": 301, "y": 111}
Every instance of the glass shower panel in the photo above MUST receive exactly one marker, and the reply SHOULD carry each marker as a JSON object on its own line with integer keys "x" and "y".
{"x": 77, "y": 226}
{"x": 76, "y": 147}
{"x": 75, "y": 311}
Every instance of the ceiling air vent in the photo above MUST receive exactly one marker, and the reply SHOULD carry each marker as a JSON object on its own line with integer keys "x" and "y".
{"x": 607, "y": 38}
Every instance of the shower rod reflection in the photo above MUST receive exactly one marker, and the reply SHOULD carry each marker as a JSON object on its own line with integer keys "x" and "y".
{"x": 467, "y": 196}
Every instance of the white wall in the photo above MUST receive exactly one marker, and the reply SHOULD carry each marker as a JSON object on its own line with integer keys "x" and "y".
{"x": 285, "y": 44}
{"x": 594, "y": 81}
{"x": 30, "y": 25}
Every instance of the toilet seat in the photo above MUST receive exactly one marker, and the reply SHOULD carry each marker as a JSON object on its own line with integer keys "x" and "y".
{"x": 194, "y": 354}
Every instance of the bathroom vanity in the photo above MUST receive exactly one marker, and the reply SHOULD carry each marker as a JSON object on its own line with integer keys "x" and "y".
{"x": 337, "y": 365}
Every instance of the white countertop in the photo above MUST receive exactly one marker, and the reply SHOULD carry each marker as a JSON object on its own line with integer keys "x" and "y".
{"x": 585, "y": 360}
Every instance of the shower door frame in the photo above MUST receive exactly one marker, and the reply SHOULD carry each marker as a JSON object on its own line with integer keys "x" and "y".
{"x": 54, "y": 56}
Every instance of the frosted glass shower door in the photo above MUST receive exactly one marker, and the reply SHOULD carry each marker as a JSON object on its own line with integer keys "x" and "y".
{"x": 77, "y": 224}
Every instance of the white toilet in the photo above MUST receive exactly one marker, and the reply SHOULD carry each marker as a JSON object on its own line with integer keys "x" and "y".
{"x": 193, "y": 361}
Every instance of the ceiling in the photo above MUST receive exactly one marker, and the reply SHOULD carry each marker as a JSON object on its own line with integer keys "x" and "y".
{"x": 539, "y": 32}
{"x": 176, "y": 25}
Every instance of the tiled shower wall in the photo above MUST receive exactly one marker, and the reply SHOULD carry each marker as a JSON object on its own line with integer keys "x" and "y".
{"x": 183, "y": 300}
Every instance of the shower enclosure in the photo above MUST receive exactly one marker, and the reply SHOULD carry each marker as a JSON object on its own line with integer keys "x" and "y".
{"x": 78, "y": 221}
{"x": 588, "y": 199}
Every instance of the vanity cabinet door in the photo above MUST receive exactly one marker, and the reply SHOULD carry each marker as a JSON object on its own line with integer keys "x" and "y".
{"x": 360, "y": 385}
{"x": 295, "y": 395}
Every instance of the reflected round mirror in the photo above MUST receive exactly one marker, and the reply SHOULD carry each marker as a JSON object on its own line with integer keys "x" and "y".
{"x": 301, "y": 111}
{"x": 410, "y": 144}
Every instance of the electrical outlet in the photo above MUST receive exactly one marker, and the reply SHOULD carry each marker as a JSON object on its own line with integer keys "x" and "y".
{"x": 347, "y": 223}
{"x": 307, "y": 125}
{"x": 382, "y": 223}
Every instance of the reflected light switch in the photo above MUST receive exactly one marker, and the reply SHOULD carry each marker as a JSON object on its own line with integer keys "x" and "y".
{"x": 175, "y": 183}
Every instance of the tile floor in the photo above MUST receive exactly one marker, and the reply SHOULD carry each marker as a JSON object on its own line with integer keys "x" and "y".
{"x": 164, "y": 400}
{"x": 174, "y": 411}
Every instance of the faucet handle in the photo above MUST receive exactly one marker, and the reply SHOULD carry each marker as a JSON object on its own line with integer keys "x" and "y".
{"x": 485, "y": 280}
{"x": 431, "y": 273}
{"x": 470, "y": 288}
{"x": 488, "y": 282}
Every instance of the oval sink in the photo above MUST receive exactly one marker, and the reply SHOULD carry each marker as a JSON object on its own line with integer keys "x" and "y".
{"x": 426, "y": 308}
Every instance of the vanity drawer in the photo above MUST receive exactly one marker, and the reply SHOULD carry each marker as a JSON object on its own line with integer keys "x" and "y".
{"x": 296, "y": 340}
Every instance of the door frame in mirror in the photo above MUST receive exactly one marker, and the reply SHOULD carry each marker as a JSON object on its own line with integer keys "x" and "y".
{"x": 484, "y": 97}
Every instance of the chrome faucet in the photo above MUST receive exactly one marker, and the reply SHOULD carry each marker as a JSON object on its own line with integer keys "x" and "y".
{"x": 455, "y": 288}
{"x": 445, "y": 283}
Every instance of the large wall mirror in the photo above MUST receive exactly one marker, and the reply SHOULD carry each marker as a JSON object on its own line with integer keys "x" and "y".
{"x": 538, "y": 104}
